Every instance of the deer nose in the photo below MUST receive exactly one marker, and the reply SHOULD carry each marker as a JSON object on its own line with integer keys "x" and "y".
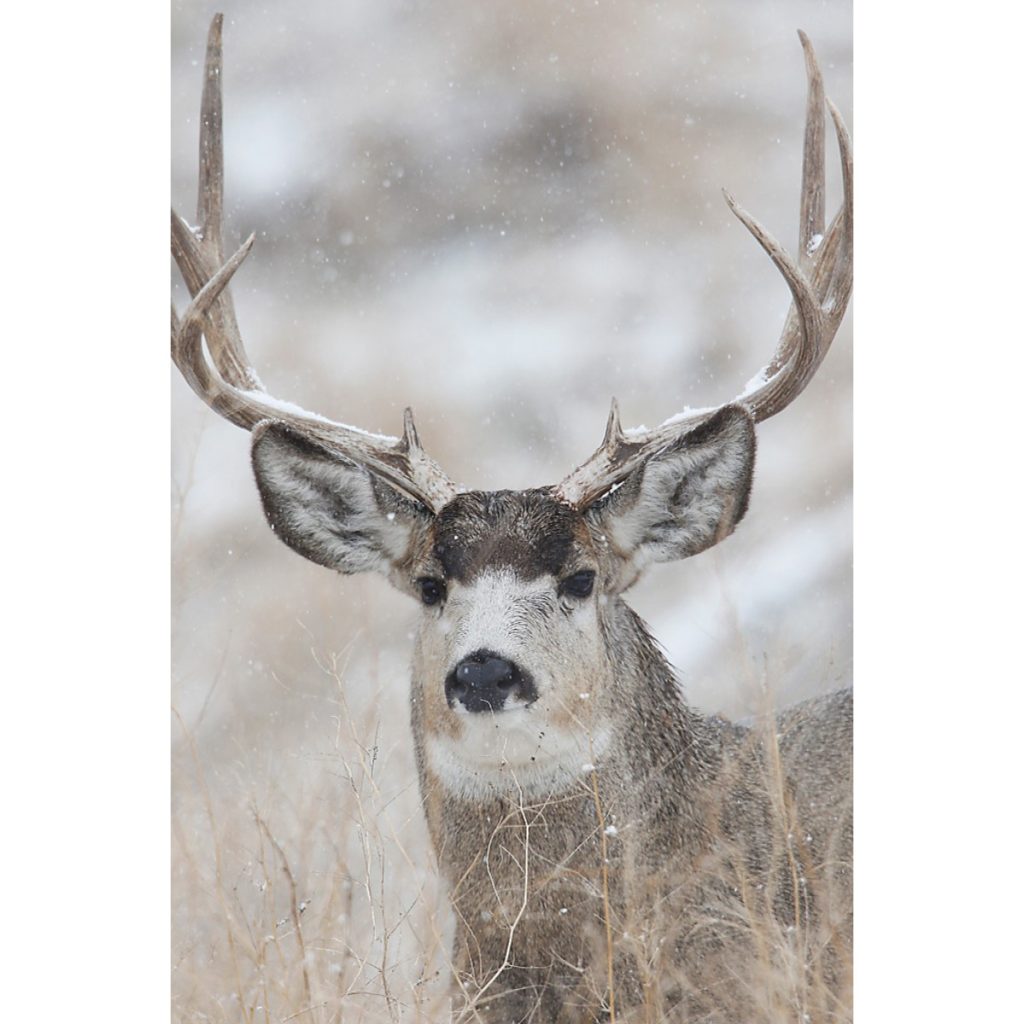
{"x": 483, "y": 681}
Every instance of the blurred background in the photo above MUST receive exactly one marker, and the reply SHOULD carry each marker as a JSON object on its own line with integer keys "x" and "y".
{"x": 501, "y": 215}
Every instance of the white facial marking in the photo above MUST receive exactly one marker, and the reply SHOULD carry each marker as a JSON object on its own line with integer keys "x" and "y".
{"x": 493, "y": 613}
{"x": 513, "y": 751}
{"x": 520, "y": 747}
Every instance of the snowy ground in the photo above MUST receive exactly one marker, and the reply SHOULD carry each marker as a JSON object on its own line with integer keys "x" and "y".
{"x": 500, "y": 215}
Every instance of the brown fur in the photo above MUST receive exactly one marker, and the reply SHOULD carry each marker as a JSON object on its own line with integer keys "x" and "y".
{"x": 717, "y": 828}
{"x": 603, "y": 843}
{"x": 644, "y": 878}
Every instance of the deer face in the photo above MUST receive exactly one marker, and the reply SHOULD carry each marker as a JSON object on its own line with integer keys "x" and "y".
{"x": 515, "y": 657}
{"x": 510, "y": 659}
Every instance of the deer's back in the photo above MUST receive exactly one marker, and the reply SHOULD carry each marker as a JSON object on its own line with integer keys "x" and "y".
{"x": 816, "y": 744}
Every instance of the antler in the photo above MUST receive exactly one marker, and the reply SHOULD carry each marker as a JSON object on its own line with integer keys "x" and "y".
{"x": 221, "y": 374}
{"x": 820, "y": 283}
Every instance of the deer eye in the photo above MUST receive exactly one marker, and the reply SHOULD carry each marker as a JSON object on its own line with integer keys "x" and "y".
{"x": 579, "y": 584}
{"x": 431, "y": 591}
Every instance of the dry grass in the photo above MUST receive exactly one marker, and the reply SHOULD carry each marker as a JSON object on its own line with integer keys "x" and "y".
{"x": 305, "y": 888}
{"x": 304, "y": 885}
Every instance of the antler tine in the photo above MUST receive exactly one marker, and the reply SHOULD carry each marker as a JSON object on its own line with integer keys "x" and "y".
{"x": 223, "y": 397}
{"x": 841, "y": 281}
{"x": 820, "y": 282}
{"x": 221, "y": 373}
{"x": 798, "y": 352}
{"x": 210, "y": 202}
{"x": 812, "y": 188}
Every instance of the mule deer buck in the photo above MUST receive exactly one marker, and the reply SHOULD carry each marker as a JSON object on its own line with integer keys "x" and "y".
{"x": 610, "y": 853}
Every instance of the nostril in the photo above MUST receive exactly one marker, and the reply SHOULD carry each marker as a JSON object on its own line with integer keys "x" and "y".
{"x": 500, "y": 673}
{"x": 467, "y": 674}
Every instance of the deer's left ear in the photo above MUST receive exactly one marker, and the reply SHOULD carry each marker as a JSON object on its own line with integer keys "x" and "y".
{"x": 684, "y": 498}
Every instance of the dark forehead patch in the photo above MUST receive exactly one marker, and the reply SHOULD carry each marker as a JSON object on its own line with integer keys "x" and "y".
{"x": 527, "y": 531}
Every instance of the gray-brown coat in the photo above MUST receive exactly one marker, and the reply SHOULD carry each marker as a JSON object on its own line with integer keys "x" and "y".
{"x": 610, "y": 853}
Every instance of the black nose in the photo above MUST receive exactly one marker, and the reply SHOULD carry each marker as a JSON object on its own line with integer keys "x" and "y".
{"x": 484, "y": 680}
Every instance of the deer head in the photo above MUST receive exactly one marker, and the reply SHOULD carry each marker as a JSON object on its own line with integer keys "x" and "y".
{"x": 522, "y": 625}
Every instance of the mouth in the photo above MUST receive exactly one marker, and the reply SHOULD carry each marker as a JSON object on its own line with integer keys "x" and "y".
{"x": 513, "y": 752}
{"x": 483, "y": 708}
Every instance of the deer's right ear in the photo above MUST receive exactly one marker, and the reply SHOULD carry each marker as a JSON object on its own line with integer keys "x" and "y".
{"x": 329, "y": 509}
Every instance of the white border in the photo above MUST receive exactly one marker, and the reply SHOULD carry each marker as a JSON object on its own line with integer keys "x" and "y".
{"x": 937, "y": 519}
{"x": 938, "y": 338}
{"x": 86, "y": 523}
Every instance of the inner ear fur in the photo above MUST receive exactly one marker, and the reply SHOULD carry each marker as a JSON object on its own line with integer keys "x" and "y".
{"x": 683, "y": 499}
{"x": 329, "y": 509}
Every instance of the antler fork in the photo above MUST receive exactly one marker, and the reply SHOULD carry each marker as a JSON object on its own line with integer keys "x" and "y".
{"x": 220, "y": 372}
{"x": 820, "y": 282}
